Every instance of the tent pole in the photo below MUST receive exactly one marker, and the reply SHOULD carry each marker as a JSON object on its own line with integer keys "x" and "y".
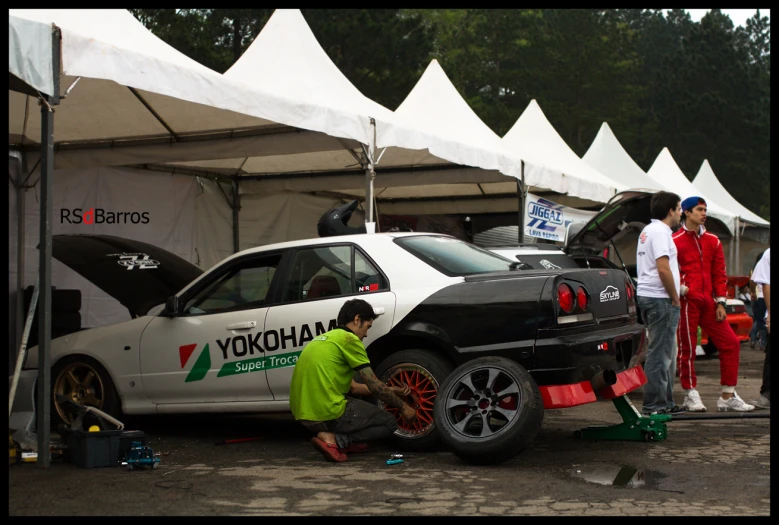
{"x": 731, "y": 242}
{"x": 370, "y": 176}
{"x": 43, "y": 410}
{"x": 521, "y": 204}
{"x": 20, "y": 214}
{"x": 737, "y": 260}
{"x": 236, "y": 210}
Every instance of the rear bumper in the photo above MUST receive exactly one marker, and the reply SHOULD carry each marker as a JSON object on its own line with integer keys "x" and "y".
{"x": 565, "y": 396}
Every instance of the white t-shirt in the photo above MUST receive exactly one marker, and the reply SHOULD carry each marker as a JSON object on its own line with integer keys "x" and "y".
{"x": 654, "y": 242}
{"x": 762, "y": 273}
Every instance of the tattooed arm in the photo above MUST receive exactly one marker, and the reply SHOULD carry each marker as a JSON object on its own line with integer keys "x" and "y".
{"x": 379, "y": 390}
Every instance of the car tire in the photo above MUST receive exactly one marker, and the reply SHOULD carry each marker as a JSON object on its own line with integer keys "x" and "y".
{"x": 468, "y": 398}
{"x": 424, "y": 371}
{"x": 94, "y": 388}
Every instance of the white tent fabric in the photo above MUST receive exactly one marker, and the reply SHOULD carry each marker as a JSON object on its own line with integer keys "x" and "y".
{"x": 666, "y": 172}
{"x": 608, "y": 156}
{"x": 112, "y": 45}
{"x": 714, "y": 190}
{"x": 286, "y": 58}
{"x": 435, "y": 104}
{"x": 29, "y": 52}
{"x": 533, "y": 136}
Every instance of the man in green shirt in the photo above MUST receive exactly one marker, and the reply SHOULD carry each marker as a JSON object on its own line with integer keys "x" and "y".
{"x": 324, "y": 375}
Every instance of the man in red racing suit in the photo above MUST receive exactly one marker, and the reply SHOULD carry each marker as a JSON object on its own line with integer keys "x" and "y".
{"x": 702, "y": 272}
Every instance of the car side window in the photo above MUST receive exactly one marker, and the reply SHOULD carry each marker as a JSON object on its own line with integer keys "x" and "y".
{"x": 366, "y": 277}
{"x": 239, "y": 287}
{"x": 319, "y": 272}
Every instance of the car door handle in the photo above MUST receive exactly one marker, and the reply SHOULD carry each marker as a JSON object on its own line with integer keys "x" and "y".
{"x": 378, "y": 310}
{"x": 242, "y": 326}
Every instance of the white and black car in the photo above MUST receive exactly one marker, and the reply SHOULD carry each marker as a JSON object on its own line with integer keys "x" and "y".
{"x": 484, "y": 346}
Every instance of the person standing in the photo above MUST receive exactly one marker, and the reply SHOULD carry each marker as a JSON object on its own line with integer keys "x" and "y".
{"x": 702, "y": 269}
{"x": 323, "y": 376}
{"x": 757, "y": 334}
{"x": 762, "y": 276}
{"x": 658, "y": 298}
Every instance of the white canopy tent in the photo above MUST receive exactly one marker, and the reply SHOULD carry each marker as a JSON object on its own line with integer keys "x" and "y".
{"x": 436, "y": 105}
{"x": 714, "y": 190}
{"x": 286, "y": 58}
{"x": 532, "y": 132}
{"x": 607, "y": 155}
{"x": 666, "y": 172}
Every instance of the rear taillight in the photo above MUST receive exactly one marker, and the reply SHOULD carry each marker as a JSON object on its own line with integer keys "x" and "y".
{"x": 565, "y": 298}
{"x": 630, "y": 293}
{"x": 739, "y": 309}
{"x": 582, "y": 299}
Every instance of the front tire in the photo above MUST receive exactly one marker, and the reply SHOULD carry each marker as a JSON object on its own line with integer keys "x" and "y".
{"x": 489, "y": 410}
{"x": 423, "y": 371}
{"x": 85, "y": 381}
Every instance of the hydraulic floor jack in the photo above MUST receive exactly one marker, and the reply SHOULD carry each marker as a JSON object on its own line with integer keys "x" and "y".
{"x": 635, "y": 426}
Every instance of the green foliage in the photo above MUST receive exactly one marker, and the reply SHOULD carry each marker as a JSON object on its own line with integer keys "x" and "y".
{"x": 701, "y": 89}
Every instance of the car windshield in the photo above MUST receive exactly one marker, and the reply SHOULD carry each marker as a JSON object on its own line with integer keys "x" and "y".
{"x": 453, "y": 256}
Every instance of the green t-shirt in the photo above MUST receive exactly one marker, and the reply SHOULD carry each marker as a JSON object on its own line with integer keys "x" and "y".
{"x": 323, "y": 375}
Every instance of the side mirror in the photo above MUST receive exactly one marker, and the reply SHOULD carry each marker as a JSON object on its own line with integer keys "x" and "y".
{"x": 172, "y": 306}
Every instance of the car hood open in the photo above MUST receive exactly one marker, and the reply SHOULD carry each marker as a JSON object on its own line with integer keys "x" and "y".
{"x": 138, "y": 275}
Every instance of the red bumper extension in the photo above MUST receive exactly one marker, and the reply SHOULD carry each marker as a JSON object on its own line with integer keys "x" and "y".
{"x": 564, "y": 396}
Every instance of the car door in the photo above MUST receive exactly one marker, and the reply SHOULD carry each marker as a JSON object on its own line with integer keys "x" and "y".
{"x": 213, "y": 350}
{"x": 319, "y": 280}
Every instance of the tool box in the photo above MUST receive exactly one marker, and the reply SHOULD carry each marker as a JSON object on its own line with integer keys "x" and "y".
{"x": 95, "y": 449}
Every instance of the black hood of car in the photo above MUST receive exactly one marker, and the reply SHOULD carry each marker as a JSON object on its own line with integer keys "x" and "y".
{"x": 138, "y": 275}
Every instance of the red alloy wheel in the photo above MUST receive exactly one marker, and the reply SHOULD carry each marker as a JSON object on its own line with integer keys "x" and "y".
{"x": 423, "y": 391}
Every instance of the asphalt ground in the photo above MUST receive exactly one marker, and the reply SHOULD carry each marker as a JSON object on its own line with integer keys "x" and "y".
{"x": 704, "y": 468}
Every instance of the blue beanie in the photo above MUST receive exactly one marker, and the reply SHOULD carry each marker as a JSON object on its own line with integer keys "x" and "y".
{"x": 691, "y": 202}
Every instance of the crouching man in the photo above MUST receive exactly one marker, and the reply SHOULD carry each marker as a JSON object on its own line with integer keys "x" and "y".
{"x": 323, "y": 382}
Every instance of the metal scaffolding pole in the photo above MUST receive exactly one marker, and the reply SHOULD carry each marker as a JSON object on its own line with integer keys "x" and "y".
{"x": 236, "y": 217}
{"x": 370, "y": 176}
{"x": 43, "y": 409}
{"x": 521, "y": 194}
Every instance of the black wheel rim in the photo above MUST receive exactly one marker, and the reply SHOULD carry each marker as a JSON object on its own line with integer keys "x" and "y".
{"x": 483, "y": 402}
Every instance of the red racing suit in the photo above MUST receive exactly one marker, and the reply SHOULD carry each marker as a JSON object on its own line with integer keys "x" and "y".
{"x": 702, "y": 270}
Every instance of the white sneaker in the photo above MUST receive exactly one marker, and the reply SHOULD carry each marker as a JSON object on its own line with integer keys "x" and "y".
{"x": 693, "y": 403}
{"x": 734, "y": 404}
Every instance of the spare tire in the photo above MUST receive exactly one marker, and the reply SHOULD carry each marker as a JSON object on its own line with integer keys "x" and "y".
{"x": 488, "y": 410}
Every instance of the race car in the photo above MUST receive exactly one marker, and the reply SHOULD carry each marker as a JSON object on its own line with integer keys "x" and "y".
{"x": 226, "y": 340}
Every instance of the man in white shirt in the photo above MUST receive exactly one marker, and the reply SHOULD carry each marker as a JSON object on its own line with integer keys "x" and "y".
{"x": 757, "y": 335}
{"x": 762, "y": 276}
{"x": 658, "y": 299}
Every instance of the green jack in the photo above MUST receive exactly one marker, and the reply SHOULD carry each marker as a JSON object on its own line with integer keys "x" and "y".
{"x": 635, "y": 426}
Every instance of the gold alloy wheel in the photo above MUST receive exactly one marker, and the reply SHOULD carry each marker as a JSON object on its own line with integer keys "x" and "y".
{"x": 81, "y": 383}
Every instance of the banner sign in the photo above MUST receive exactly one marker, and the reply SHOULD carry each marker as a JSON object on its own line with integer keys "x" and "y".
{"x": 548, "y": 220}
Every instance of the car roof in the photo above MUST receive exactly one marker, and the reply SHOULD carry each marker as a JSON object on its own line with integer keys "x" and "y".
{"x": 358, "y": 238}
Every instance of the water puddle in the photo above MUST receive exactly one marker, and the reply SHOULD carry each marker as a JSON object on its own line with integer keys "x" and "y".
{"x": 621, "y": 476}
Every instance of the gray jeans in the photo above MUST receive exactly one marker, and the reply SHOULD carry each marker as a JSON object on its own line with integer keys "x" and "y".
{"x": 361, "y": 421}
{"x": 661, "y": 319}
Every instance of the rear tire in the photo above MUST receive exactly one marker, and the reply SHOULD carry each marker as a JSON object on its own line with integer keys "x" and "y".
{"x": 423, "y": 371}
{"x": 489, "y": 410}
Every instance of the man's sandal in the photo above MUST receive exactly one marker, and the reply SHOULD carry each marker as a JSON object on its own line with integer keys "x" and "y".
{"x": 328, "y": 450}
